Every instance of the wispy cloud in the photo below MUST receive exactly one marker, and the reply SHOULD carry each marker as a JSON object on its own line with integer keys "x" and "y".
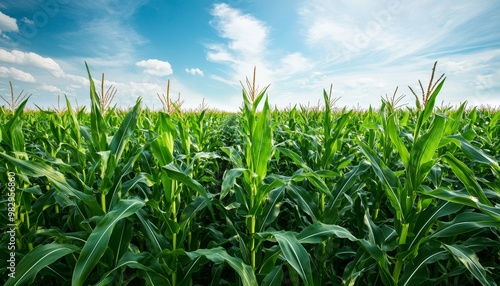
{"x": 16, "y": 74}
{"x": 247, "y": 40}
{"x": 387, "y": 31}
{"x": 155, "y": 67}
{"x": 114, "y": 40}
{"x": 368, "y": 47}
{"x": 28, "y": 21}
{"x": 51, "y": 88}
{"x": 248, "y": 45}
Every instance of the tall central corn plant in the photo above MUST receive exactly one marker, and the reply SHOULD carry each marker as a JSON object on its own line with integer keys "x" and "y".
{"x": 257, "y": 136}
{"x": 258, "y": 151}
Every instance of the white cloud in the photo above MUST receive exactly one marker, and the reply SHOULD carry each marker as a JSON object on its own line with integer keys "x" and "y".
{"x": 194, "y": 71}
{"x": 34, "y": 60}
{"x": 7, "y": 23}
{"x": 73, "y": 87}
{"x": 294, "y": 63}
{"x": 76, "y": 78}
{"x": 243, "y": 49}
{"x": 235, "y": 26}
{"x": 31, "y": 59}
{"x": 51, "y": 88}
{"x": 155, "y": 67}
{"x": 10, "y": 72}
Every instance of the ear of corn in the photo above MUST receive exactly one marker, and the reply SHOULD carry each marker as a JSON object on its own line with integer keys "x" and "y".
{"x": 303, "y": 196}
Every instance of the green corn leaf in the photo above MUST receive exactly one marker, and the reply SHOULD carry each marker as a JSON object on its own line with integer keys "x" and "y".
{"x": 229, "y": 180}
{"x": 375, "y": 234}
{"x": 120, "y": 239}
{"x": 258, "y": 99}
{"x": 464, "y": 223}
{"x": 415, "y": 272}
{"x": 318, "y": 232}
{"x": 428, "y": 217}
{"x": 155, "y": 241}
{"x": 163, "y": 145}
{"x": 192, "y": 270}
{"x": 148, "y": 268}
{"x": 58, "y": 180}
{"x": 13, "y": 132}
{"x": 463, "y": 198}
{"x": 294, "y": 156}
{"x": 422, "y": 153}
{"x": 453, "y": 125}
{"x": 332, "y": 141}
{"x": 467, "y": 177}
{"x": 303, "y": 200}
{"x": 274, "y": 278}
{"x": 153, "y": 273}
{"x": 314, "y": 179}
{"x": 477, "y": 243}
{"x": 271, "y": 209}
{"x": 37, "y": 259}
{"x": 429, "y": 107}
{"x": 191, "y": 210}
{"x": 174, "y": 172}
{"x": 393, "y": 132}
{"x": 98, "y": 125}
{"x": 268, "y": 263}
{"x": 121, "y": 136}
{"x": 219, "y": 255}
{"x": 381, "y": 259}
{"x": 261, "y": 146}
{"x": 342, "y": 187}
{"x": 98, "y": 240}
{"x": 388, "y": 179}
{"x": 327, "y": 117}
{"x": 172, "y": 227}
{"x": 469, "y": 259}
{"x": 296, "y": 255}
{"x": 425, "y": 147}
{"x": 74, "y": 125}
{"x": 472, "y": 152}
{"x": 127, "y": 186}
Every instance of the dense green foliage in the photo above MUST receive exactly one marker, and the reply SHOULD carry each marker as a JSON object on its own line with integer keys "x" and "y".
{"x": 261, "y": 197}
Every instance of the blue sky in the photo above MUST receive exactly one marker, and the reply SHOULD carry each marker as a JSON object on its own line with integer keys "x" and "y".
{"x": 363, "y": 48}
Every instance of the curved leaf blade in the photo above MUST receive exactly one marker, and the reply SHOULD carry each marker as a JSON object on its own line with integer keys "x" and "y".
{"x": 98, "y": 240}
{"x": 296, "y": 255}
{"x": 40, "y": 257}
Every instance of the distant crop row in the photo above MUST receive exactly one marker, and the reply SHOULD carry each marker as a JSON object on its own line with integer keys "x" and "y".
{"x": 392, "y": 196}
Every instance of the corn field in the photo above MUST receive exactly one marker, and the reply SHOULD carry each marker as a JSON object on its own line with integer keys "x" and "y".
{"x": 388, "y": 196}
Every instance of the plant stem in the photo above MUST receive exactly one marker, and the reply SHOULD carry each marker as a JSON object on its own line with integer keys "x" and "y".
{"x": 174, "y": 242}
{"x": 399, "y": 263}
{"x": 103, "y": 202}
{"x": 252, "y": 231}
{"x": 404, "y": 234}
{"x": 397, "y": 269}
{"x": 322, "y": 205}
{"x": 253, "y": 195}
